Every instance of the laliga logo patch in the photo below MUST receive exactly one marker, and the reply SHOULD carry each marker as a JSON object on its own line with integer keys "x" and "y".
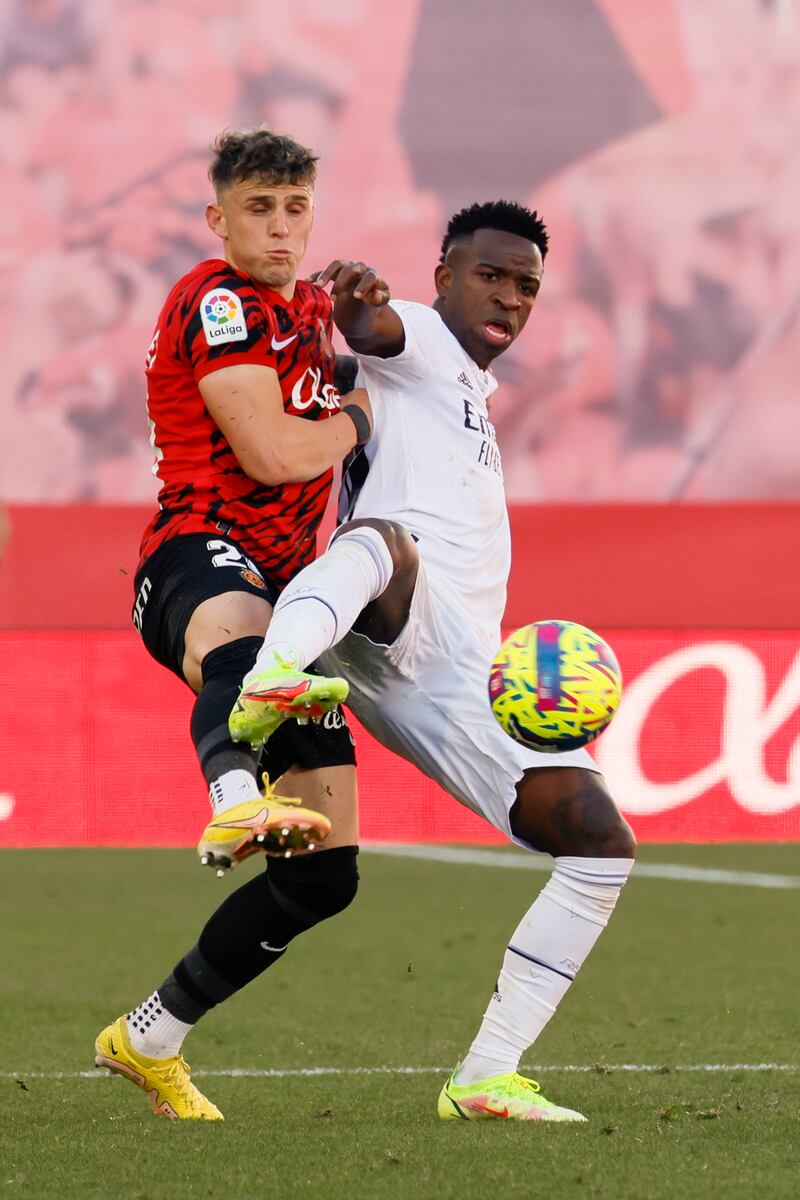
{"x": 220, "y": 309}
{"x": 223, "y": 317}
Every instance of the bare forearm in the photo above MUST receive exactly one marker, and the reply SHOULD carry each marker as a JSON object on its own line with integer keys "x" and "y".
{"x": 303, "y": 449}
{"x": 272, "y": 446}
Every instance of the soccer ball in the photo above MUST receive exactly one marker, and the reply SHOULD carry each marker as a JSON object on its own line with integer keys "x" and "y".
{"x": 554, "y": 686}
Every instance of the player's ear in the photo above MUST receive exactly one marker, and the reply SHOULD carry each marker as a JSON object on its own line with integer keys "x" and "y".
{"x": 443, "y": 277}
{"x": 215, "y": 220}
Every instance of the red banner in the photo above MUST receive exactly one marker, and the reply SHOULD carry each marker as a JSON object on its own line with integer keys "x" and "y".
{"x": 95, "y": 750}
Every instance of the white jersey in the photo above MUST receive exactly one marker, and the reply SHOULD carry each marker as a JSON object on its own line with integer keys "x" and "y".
{"x": 433, "y": 465}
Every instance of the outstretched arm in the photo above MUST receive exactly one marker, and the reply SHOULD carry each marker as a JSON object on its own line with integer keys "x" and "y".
{"x": 361, "y": 308}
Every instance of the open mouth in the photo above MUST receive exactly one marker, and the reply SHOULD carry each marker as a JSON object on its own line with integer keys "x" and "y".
{"x": 499, "y": 332}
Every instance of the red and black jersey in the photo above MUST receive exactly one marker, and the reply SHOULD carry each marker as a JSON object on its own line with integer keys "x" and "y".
{"x": 217, "y": 317}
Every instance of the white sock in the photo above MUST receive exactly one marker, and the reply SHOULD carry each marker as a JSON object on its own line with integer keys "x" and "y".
{"x": 544, "y": 955}
{"x": 154, "y": 1032}
{"x": 234, "y": 787}
{"x": 319, "y": 606}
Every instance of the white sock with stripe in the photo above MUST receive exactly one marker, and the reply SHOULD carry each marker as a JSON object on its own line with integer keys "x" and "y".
{"x": 319, "y": 606}
{"x": 544, "y": 955}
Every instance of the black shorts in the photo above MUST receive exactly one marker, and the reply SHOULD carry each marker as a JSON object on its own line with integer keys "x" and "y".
{"x": 170, "y": 585}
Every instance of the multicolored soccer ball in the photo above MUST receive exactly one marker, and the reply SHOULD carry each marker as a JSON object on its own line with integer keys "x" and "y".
{"x": 554, "y": 685}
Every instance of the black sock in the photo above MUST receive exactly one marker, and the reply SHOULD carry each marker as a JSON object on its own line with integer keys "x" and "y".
{"x": 223, "y": 670}
{"x": 252, "y": 928}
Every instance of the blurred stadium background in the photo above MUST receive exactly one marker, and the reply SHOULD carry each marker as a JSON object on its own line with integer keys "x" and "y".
{"x": 649, "y": 419}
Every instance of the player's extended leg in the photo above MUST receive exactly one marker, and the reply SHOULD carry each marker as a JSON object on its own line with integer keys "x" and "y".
{"x": 568, "y": 812}
{"x": 221, "y": 641}
{"x": 248, "y": 933}
{"x": 364, "y": 581}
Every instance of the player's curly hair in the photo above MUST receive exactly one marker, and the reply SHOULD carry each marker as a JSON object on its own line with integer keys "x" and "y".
{"x": 260, "y": 154}
{"x": 505, "y": 215}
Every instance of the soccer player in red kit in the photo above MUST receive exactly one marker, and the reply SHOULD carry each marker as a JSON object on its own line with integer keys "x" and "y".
{"x": 246, "y": 424}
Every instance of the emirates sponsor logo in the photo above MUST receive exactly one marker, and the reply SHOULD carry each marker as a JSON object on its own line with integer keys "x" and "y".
{"x": 738, "y": 735}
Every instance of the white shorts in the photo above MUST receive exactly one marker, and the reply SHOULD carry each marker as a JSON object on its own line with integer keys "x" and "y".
{"x": 425, "y": 697}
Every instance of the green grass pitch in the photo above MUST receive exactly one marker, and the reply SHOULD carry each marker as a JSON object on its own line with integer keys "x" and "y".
{"x": 687, "y": 974}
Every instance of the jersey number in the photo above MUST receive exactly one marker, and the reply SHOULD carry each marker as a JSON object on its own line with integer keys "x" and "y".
{"x": 230, "y": 556}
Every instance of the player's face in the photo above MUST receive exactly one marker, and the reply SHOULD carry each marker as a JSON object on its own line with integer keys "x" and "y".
{"x": 265, "y": 229}
{"x": 486, "y": 289}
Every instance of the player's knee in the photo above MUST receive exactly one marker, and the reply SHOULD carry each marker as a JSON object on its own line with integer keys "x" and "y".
{"x": 570, "y": 811}
{"x": 620, "y": 841}
{"x": 217, "y": 631}
{"x": 312, "y": 887}
{"x": 606, "y": 825}
{"x": 399, "y": 542}
{"x": 231, "y": 660}
{"x": 603, "y": 831}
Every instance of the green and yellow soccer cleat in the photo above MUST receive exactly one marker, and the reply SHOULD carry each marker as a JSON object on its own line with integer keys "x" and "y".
{"x": 268, "y": 699}
{"x": 506, "y": 1097}
{"x": 277, "y": 825}
{"x": 166, "y": 1080}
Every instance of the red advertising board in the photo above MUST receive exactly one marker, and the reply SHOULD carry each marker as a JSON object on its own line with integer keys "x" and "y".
{"x": 95, "y": 750}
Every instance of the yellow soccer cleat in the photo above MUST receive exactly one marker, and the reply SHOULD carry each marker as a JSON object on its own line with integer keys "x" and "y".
{"x": 166, "y": 1080}
{"x": 278, "y": 825}
{"x": 268, "y": 699}
{"x": 505, "y": 1097}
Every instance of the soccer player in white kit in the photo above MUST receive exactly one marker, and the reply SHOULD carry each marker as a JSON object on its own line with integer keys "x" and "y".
{"x": 406, "y": 604}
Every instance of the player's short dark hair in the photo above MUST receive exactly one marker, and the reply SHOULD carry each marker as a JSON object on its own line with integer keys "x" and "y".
{"x": 260, "y": 154}
{"x": 505, "y": 215}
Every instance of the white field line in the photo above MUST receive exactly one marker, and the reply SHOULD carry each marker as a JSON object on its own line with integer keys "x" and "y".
{"x": 314, "y": 1072}
{"x": 533, "y": 862}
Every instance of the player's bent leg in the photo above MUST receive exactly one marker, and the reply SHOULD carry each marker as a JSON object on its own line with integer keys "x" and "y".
{"x": 365, "y": 581}
{"x": 166, "y": 1080}
{"x": 245, "y": 820}
{"x": 229, "y": 770}
{"x": 217, "y": 622}
{"x": 221, "y": 642}
{"x": 569, "y": 810}
{"x": 385, "y": 617}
